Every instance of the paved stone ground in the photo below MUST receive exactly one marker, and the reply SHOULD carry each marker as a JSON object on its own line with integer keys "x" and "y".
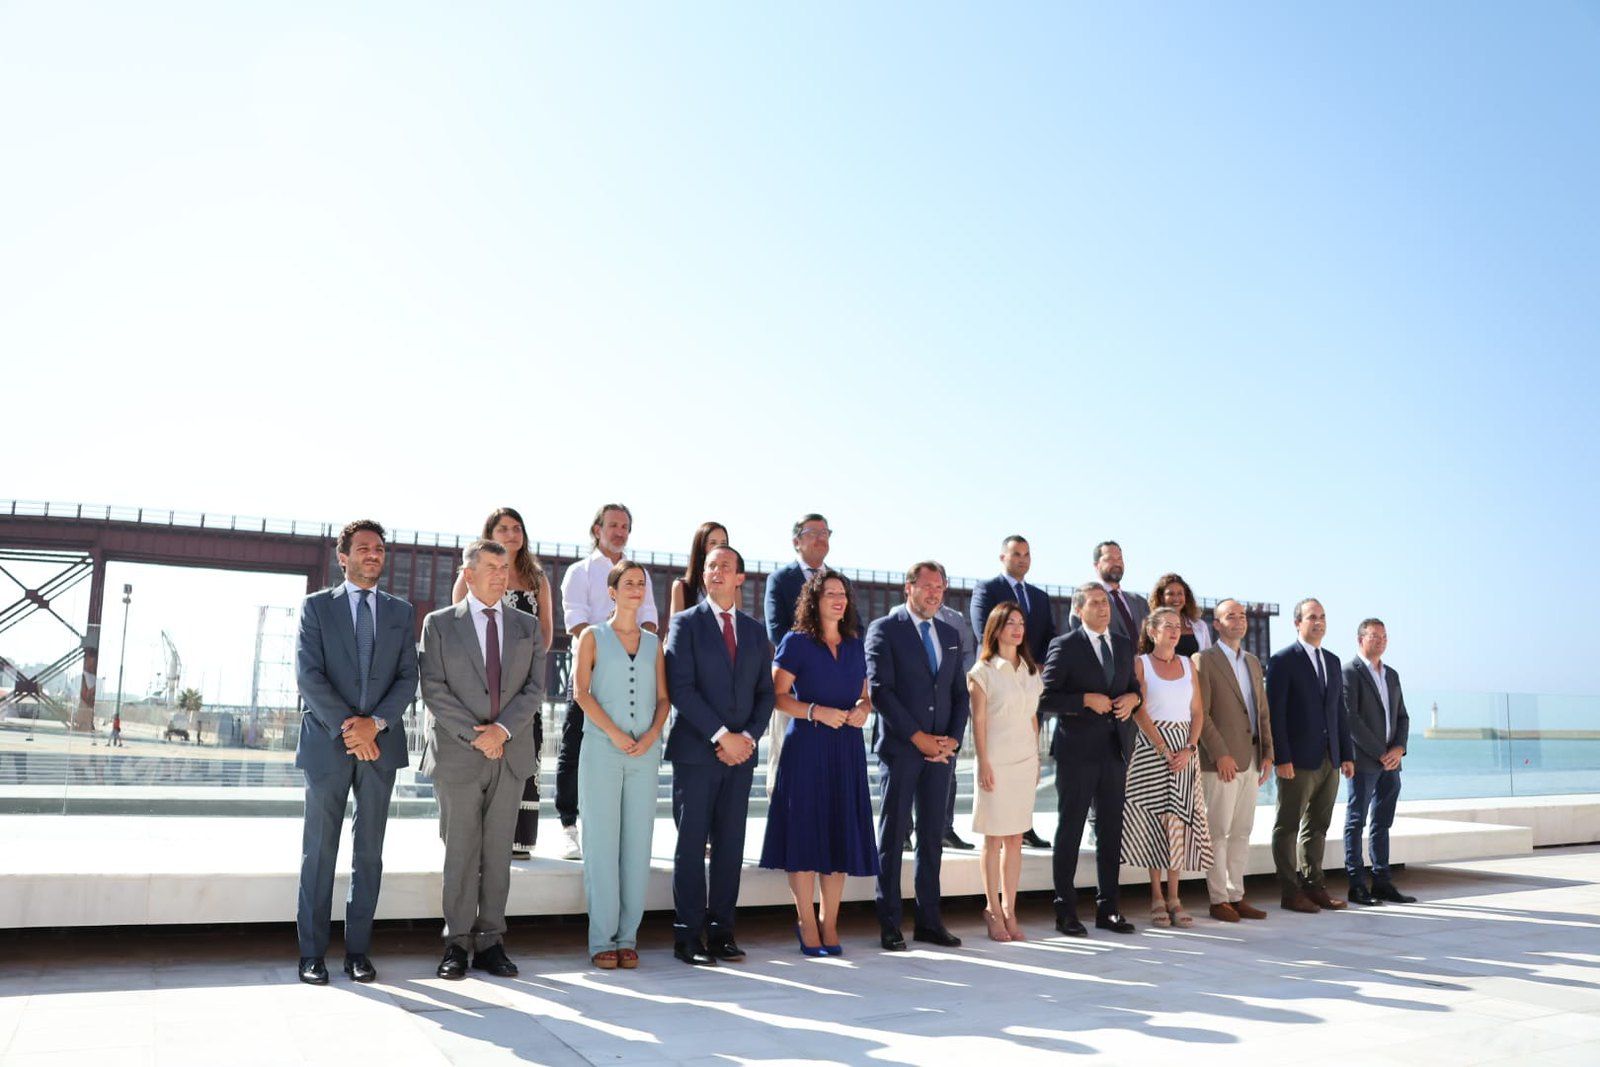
{"x": 1499, "y": 963}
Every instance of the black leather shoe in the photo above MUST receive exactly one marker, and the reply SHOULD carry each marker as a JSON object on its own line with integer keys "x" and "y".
{"x": 359, "y": 968}
{"x": 892, "y": 941}
{"x": 725, "y": 949}
{"x": 952, "y": 841}
{"x": 1387, "y": 891}
{"x": 493, "y": 959}
{"x": 694, "y": 953}
{"x": 1069, "y": 925}
{"x": 1360, "y": 894}
{"x": 1114, "y": 922}
{"x": 454, "y": 964}
{"x": 313, "y": 971}
{"x": 937, "y": 935}
{"x": 1033, "y": 840}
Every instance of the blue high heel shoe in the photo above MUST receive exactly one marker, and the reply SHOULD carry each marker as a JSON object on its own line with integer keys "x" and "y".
{"x": 807, "y": 950}
{"x": 833, "y": 950}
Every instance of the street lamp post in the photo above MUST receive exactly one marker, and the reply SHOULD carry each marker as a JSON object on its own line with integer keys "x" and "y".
{"x": 127, "y": 597}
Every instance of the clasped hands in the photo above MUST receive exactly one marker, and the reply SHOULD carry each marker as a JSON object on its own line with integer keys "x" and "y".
{"x": 733, "y": 749}
{"x": 1100, "y": 704}
{"x": 935, "y": 748}
{"x": 836, "y": 717}
{"x": 629, "y": 745}
{"x": 360, "y": 733}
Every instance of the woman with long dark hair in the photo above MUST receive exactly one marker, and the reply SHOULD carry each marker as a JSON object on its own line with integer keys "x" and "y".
{"x": 529, "y": 591}
{"x": 690, "y": 589}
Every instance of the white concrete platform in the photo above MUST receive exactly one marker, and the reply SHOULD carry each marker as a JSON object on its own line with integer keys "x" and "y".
{"x": 1572, "y": 819}
{"x": 87, "y": 870}
{"x": 1498, "y": 963}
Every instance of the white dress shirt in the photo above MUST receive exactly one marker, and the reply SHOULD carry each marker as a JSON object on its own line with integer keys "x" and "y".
{"x": 1317, "y": 662}
{"x": 353, "y": 592}
{"x": 1094, "y": 642}
{"x": 480, "y": 623}
{"x": 1241, "y": 671}
{"x": 586, "y": 600}
{"x": 1378, "y": 676}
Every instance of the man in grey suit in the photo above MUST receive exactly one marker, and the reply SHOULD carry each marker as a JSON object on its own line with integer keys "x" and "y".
{"x": 356, "y": 665}
{"x": 1380, "y": 728}
{"x": 483, "y": 681}
{"x": 1127, "y": 612}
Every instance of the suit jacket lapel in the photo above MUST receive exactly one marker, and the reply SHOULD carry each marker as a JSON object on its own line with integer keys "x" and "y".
{"x": 1233, "y": 679}
{"x": 713, "y": 626}
{"x": 343, "y": 624}
{"x": 469, "y": 635}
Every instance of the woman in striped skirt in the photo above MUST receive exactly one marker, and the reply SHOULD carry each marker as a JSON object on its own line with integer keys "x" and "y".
{"x": 1164, "y": 816}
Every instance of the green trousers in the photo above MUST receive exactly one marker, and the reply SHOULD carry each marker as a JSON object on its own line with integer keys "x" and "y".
{"x": 1305, "y": 806}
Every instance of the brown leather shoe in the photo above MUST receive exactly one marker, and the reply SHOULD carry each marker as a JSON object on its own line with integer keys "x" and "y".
{"x": 1300, "y": 902}
{"x": 1247, "y": 910}
{"x": 1224, "y": 913}
{"x": 1319, "y": 896}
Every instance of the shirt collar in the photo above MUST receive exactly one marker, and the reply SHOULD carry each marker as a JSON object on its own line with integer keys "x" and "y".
{"x": 1375, "y": 668}
{"x": 1095, "y": 635}
{"x": 1311, "y": 650}
{"x": 477, "y": 606}
{"x": 352, "y": 589}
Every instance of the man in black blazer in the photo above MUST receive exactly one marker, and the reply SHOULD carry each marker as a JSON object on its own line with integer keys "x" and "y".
{"x": 920, "y": 694}
{"x": 1312, "y": 746}
{"x": 1010, "y": 584}
{"x": 1090, "y": 687}
{"x": 719, "y": 673}
{"x": 811, "y": 541}
{"x": 356, "y": 665}
{"x": 1379, "y": 727}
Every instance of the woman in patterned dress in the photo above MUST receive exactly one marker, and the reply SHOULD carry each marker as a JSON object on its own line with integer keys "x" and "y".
{"x": 1164, "y": 817}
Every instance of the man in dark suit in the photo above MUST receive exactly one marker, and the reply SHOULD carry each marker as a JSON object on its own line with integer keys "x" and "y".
{"x": 1379, "y": 728}
{"x": 719, "y": 672}
{"x": 356, "y": 663}
{"x": 1090, "y": 687}
{"x": 1010, "y": 584}
{"x": 482, "y": 669}
{"x": 1127, "y": 611}
{"x": 1312, "y": 746}
{"x": 811, "y": 542}
{"x": 920, "y": 693}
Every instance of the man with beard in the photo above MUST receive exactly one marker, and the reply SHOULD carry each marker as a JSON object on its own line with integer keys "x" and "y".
{"x": 1127, "y": 612}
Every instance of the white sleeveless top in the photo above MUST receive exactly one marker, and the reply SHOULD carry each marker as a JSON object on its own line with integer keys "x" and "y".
{"x": 1168, "y": 701}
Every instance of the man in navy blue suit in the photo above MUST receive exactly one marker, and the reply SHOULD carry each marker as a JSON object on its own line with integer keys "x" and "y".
{"x": 719, "y": 672}
{"x": 1310, "y": 739}
{"x": 1090, "y": 687}
{"x": 920, "y": 693}
{"x": 356, "y": 665}
{"x": 811, "y": 541}
{"x": 1011, "y": 584}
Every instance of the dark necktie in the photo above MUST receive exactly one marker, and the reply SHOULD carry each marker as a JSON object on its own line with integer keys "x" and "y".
{"x": 1022, "y": 597}
{"x": 928, "y": 646}
{"x": 1108, "y": 662}
{"x": 491, "y": 661}
{"x": 1316, "y": 659}
{"x": 1122, "y": 612}
{"x": 364, "y": 642}
{"x": 727, "y": 634}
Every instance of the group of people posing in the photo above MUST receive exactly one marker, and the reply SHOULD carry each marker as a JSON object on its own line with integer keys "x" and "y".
{"x": 1164, "y": 729}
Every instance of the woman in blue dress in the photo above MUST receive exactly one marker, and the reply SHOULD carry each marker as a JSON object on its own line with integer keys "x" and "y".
{"x": 819, "y": 821}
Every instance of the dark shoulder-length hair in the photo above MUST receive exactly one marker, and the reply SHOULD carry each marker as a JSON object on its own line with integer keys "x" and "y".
{"x": 808, "y": 608}
{"x": 524, "y": 562}
{"x": 1191, "y": 607}
{"x": 694, "y": 575}
{"x": 999, "y": 616}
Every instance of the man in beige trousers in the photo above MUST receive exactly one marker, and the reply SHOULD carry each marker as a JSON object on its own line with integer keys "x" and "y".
{"x": 1235, "y": 757}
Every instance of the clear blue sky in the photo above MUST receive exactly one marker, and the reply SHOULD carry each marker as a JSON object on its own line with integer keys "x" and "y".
{"x": 1289, "y": 298}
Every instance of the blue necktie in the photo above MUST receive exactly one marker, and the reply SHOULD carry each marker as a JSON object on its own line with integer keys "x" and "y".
{"x": 928, "y": 647}
{"x": 364, "y": 641}
{"x": 1022, "y": 597}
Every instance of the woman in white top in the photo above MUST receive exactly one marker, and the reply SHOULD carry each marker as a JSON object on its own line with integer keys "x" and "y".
{"x": 1005, "y": 687}
{"x": 1164, "y": 816}
{"x": 1173, "y": 592}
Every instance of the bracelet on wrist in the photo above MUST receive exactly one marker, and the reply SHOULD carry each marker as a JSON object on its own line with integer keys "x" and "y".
{"x": 811, "y": 711}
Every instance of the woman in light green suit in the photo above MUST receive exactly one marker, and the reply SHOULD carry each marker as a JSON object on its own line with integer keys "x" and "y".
{"x": 621, "y": 685}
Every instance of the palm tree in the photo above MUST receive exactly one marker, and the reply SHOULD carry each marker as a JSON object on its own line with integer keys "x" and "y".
{"x": 191, "y": 701}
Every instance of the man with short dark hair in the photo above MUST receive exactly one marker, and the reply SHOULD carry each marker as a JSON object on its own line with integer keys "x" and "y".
{"x": 1311, "y": 746}
{"x": 920, "y": 693}
{"x": 1127, "y": 612}
{"x": 1090, "y": 687}
{"x": 1379, "y": 727}
{"x": 356, "y": 665}
{"x": 1016, "y": 558}
{"x": 812, "y": 538}
{"x": 586, "y": 600}
{"x": 482, "y": 670}
{"x": 719, "y": 672}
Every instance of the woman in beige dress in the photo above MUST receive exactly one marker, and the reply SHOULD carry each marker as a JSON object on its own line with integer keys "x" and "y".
{"x": 1005, "y": 686}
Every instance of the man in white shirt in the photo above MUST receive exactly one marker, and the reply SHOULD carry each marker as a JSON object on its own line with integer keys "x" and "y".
{"x": 586, "y": 600}
{"x": 1380, "y": 728}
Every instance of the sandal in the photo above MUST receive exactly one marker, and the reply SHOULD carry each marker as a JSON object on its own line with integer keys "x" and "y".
{"x": 1159, "y": 916}
{"x": 606, "y": 961}
{"x": 1181, "y": 917}
{"x": 627, "y": 959}
{"x": 1013, "y": 929}
{"x": 997, "y": 928}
